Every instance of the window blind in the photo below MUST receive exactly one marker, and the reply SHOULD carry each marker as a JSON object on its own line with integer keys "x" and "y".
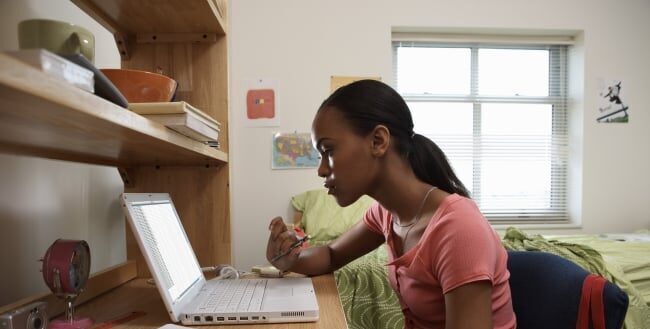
{"x": 499, "y": 112}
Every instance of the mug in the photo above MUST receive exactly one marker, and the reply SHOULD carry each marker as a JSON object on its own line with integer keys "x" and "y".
{"x": 57, "y": 37}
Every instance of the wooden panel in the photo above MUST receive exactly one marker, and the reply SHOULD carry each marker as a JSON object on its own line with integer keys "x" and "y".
{"x": 42, "y": 116}
{"x": 210, "y": 81}
{"x": 137, "y": 295}
{"x": 201, "y": 195}
{"x": 201, "y": 198}
{"x": 98, "y": 284}
{"x": 147, "y": 16}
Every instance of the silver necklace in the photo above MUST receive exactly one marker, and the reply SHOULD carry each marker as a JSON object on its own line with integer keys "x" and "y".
{"x": 417, "y": 215}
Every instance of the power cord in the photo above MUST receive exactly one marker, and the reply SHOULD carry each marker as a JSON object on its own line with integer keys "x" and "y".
{"x": 223, "y": 271}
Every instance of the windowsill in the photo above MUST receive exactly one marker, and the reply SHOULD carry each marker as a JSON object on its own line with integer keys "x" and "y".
{"x": 537, "y": 226}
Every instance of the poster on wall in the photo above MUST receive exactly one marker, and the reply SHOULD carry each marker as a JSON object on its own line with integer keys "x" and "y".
{"x": 337, "y": 82}
{"x": 611, "y": 107}
{"x": 261, "y": 103}
{"x": 293, "y": 150}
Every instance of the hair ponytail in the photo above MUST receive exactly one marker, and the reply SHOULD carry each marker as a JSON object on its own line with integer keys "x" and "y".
{"x": 431, "y": 165}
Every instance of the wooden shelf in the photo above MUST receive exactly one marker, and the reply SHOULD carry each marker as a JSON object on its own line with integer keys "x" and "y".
{"x": 42, "y": 116}
{"x": 156, "y": 16}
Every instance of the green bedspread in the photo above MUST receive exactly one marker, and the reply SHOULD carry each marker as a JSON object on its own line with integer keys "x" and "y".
{"x": 369, "y": 301}
{"x": 366, "y": 295}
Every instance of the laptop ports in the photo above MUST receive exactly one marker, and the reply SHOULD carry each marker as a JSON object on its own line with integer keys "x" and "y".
{"x": 232, "y": 318}
{"x": 243, "y": 318}
{"x": 209, "y": 318}
{"x": 254, "y": 318}
{"x": 221, "y": 318}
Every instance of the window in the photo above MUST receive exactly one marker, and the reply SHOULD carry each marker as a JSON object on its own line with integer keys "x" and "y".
{"x": 500, "y": 114}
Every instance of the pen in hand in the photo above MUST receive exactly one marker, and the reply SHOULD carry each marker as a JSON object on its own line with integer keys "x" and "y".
{"x": 295, "y": 245}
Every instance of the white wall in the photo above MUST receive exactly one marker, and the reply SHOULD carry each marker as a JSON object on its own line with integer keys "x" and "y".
{"x": 302, "y": 43}
{"x": 42, "y": 200}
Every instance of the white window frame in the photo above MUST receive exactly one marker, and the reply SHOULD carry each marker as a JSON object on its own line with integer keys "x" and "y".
{"x": 558, "y": 212}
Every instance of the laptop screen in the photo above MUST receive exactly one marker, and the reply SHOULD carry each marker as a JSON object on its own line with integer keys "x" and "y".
{"x": 169, "y": 250}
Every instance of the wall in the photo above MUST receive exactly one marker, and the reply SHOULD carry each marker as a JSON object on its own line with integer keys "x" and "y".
{"x": 302, "y": 43}
{"x": 42, "y": 200}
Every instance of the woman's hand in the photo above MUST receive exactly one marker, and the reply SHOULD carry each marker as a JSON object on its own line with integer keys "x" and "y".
{"x": 280, "y": 240}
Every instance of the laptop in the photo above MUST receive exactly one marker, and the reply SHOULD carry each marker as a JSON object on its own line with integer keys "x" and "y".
{"x": 188, "y": 296}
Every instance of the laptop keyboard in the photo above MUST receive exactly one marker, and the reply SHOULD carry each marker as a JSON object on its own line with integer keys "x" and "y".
{"x": 234, "y": 296}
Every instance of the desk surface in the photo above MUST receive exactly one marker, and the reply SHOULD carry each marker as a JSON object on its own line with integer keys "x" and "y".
{"x": 139, "y": 296}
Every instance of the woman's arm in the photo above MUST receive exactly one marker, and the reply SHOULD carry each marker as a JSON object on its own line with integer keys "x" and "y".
{"x": 469, "y": 306}
{"x": 356, "y": 242}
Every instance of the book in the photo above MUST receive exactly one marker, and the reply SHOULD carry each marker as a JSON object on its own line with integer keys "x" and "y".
{"x": 187, "y": 124}
{"x": 57, "y": 67}
{"x": 174, "y": 108}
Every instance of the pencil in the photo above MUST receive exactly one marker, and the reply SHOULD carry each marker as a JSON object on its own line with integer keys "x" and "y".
{"x": 295, "y": 245}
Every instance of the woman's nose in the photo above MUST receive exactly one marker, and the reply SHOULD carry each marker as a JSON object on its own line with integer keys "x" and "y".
{"x": 323, "y": 168}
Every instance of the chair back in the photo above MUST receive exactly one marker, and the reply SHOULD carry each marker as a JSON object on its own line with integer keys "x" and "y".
{"x": 546, "y": 291}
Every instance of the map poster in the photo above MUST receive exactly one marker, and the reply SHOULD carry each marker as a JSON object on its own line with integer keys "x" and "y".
{"x": 293, "y": 150}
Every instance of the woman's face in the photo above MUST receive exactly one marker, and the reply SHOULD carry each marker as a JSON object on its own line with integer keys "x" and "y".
{"x": 346, "y": 160}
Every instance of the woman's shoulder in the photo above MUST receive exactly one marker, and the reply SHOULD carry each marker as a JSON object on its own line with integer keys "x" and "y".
{"x": 455, "y": 203}
{"x": 457, "y": 212}
{"x": 377, "y": 216}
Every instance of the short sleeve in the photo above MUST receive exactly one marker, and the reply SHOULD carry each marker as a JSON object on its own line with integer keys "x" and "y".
{"x": 374, "y": 218}
{"x": 466, "y": 248}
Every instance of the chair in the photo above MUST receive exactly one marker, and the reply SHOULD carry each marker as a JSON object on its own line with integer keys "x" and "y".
{"x": 546, "y": 291}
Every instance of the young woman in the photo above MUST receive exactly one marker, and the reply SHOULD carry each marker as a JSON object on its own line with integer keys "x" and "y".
{"x": 446, "y": 263}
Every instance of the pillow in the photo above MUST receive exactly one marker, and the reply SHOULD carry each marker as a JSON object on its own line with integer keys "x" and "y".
{"x": 323, "y": 218}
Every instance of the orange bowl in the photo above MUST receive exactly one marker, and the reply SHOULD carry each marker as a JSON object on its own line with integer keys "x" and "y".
{"x": 142, "y": 86}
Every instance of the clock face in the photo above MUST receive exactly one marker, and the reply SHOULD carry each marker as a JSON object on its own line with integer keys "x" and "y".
{"x": 79, "y": 266}
{"x": 66, "y": 266}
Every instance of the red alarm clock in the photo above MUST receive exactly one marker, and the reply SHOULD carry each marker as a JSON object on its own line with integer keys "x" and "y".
{"x": 66, "y": 266}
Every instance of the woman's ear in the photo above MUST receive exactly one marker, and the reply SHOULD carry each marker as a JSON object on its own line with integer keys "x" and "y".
{"x": 380, "y": 140}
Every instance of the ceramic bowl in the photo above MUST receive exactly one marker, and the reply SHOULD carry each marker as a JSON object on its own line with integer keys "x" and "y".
{"x": 57, "y": 37}
{"x": 142, "y": 86}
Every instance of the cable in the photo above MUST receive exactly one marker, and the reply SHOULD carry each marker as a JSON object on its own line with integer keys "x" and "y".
{"x": 223, "y": 271}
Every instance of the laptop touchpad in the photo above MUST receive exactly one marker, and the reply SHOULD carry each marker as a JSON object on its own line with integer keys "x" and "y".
{"x": 287, "y": 287}
{"x": 279, "y": 291}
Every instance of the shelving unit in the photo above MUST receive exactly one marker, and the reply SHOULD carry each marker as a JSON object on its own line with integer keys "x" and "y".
{"x": 44, "y": 117}
{"x": 185, "y": 40}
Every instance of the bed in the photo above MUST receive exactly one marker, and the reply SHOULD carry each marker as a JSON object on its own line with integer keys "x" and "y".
{"x": 369, "y": 301}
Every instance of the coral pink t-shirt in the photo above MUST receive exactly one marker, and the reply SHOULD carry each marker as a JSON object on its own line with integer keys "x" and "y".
{"x": 457, "y": 247}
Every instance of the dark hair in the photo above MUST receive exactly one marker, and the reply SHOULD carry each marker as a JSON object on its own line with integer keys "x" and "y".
{"x": 368, "y": 103}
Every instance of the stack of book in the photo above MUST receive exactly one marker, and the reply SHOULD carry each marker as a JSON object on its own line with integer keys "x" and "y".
{"x": 183, "y": 118}
{"x": 57, "y": 67}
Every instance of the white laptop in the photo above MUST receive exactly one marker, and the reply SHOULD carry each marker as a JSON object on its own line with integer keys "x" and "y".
{"x": 188, "y": 296}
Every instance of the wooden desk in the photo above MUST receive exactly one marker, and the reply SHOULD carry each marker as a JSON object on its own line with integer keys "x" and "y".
{"x": 138, "y": 295}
